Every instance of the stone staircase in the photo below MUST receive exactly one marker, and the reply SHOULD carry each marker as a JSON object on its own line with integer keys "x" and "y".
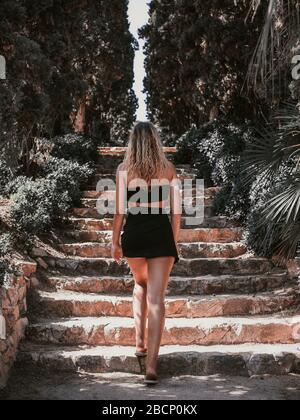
{"x": 227, "y": 312}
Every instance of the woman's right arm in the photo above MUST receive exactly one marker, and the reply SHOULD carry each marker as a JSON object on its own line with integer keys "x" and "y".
{"x": 120, "y": 209}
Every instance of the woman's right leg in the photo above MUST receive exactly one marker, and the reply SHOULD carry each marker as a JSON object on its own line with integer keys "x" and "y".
{"x": 139, "y": 269}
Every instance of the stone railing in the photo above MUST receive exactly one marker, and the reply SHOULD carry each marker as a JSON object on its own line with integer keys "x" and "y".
{"x": 13, "y": 320}
{"x": 120, "y": 151}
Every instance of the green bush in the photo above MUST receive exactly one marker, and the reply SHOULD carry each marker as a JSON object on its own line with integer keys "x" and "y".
{"x": 38, "y": 204}
{"x": 13, "y": 186}
{"x": 5, "y": 177}
{"x": 75, "y": 147}
{"x": 187, "y": 146}
{"x": 215, "y": 150}
{"x": 3, "y": 271}
{"x": 233, "y": 201}
{"x": 264, "y": 238}
{"x": 34, "y": 207}
{"x": 6, "y": 244}
{"x": 68, "y": 176}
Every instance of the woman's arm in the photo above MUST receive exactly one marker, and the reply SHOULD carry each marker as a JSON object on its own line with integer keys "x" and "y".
{"x": 176, "y": 204}
{"x": 120, "y": 208}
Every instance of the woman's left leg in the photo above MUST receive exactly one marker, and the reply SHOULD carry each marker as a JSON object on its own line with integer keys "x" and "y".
{"x": 139, "y": 269}
{"x": 159, "y": 270}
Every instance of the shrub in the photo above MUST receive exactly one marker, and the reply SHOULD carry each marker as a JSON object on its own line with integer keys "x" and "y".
{"x": 6, "y": 244}
{"x": 34, "y": 207}
{"x": 5, "y": 176}
{"x": 222, "y": 148}
{"x": 75, "y": 147}
{"x": 233, "y": 201}
{"x": 3, "y": 271}
{"x": 13, "y": 186}
{"x": 68, "y": 176}
{"x": 264, "y": 238}
{"x": 215, "y": 150}
{"x": 40, "y": 203}
{"x": 187, "y": 146}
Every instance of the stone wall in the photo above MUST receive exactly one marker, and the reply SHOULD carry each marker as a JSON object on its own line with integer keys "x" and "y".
{"x": 13, "y": 320}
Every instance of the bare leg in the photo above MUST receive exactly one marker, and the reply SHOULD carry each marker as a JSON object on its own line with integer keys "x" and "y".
{"x": 139, "y": 269}
{"x": 159, "y": 270}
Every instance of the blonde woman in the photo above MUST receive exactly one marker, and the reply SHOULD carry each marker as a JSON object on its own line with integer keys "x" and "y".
{"x": 146, "y": 188}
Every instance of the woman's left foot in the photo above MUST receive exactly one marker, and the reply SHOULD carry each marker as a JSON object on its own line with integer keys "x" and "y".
{"x": 141, "y": 352}
{"x": 151, "y": 379}
{"x": 142, "y": 356}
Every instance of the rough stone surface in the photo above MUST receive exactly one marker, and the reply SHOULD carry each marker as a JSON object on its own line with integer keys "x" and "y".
{"x": 238, "y": 360}
{"x": 206, "y": 285}
{"x": 65, "y": 304}
{"x": 179, "y": 331}
{"x": 93, "y": 224}
{"x": 27, "y": 268}
{"x": 91, "y": 203}
{"x": 187, "y": 250}
{"x": 13, "y": 307}
{"x": 185, "y": 268}
{"x": 120, "y": 151}
{"x": 35, "y": 385}
{"x": 93, "y": 213}
{"x": 221, "y": 236}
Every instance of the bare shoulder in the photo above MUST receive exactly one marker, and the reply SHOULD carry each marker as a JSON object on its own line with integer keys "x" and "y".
{"x": 121, "y": 167}
{"x": 172, "y": 171}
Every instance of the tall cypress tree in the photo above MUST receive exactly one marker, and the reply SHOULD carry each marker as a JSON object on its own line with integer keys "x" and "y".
{"x": 198, "y": 56}
{"x": 69, "y": 68}
{"x": 23, "y": 97}
{"x": 111, "y": 102}
{"x": 92, "y": 53}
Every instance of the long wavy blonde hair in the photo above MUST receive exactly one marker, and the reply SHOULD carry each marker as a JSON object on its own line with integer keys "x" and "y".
{"x": 145, "y": 158}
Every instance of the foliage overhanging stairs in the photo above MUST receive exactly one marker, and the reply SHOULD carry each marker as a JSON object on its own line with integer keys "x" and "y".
{"x": 227, "y": 312}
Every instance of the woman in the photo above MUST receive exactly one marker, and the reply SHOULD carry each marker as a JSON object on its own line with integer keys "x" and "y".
{"x": 147, "y": 185}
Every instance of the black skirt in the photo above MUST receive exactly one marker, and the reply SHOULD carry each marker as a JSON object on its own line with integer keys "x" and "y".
{"x": 148, "y": 236}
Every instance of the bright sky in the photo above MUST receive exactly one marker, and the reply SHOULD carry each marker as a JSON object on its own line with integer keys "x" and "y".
{"x": 138, "y": 16}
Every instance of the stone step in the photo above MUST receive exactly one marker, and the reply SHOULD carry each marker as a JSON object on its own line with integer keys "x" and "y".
{"x": 186, "y": 235}
{"x": 209, "y": 222}
{"x": 207, "y": 285}
{"x": 91, "y": 224}
{"x": 187, "y": 250}
{"x": 232, "y": 360}
{"x": 93, "y": 194}
{"x": 104, "y": 170}
{"x": 185, "y": 268}
{"x": 92, "y": 213}
{"x": 108, "y": 174}
{"x": 117, "y": 151}
{"x": 112, "y": 177}
{"x": 71, "y": 304}
{"x": 92, "y": 203}
{"x": 179, "y": 331}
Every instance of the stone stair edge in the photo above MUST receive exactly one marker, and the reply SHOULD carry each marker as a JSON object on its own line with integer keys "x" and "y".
{"x": 235, "y": 360}
{"x": 183, "y": 322}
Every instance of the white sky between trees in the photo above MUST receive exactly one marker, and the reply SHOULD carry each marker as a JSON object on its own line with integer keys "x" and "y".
{"x": 138, "y": 16}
